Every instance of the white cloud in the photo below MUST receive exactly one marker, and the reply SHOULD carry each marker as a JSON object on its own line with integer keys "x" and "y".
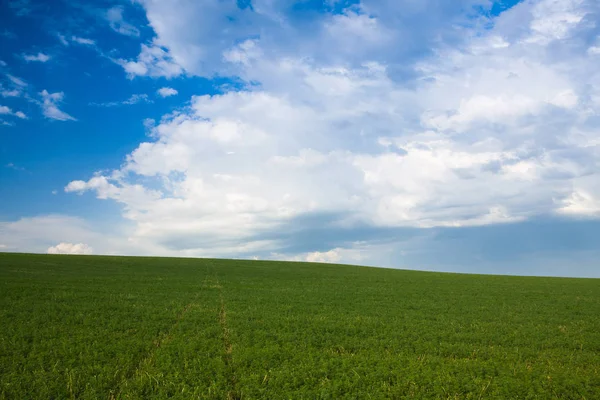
{"x": 11, "y": 93}
{"x": 84, "y": 41}
{"x": 117, "y": 23}
{"x": 496, "y": 130}
{"x": 166, "y": 92}
{"x": 153, "y": 61}
{"x": 16, "y": 87}
{"x": 70, "y": 248}
{"x": 137, "y": 98}
{"x": 4, "y": 110}
{"x": 331, "y": 256}
{"x": 554, "y": 20}
{"x": 374, "y": 30}
{"x": 195, "y": 50}
{"x": 354, "y": 30}
{"x": 50, "y": 108}
{"x": 357, "y": 253}
{"x": 37, "y": 234}
{"x": 41, "y": 57}
{"x": 581, "y": 203}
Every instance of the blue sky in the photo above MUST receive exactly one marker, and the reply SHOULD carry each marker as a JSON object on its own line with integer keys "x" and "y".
{"x": 452, "y": 136}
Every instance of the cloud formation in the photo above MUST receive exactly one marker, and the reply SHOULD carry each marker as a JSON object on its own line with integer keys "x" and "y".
{"x": 50, "y": 102}
{"x": 133, "y": 99}
{"x": 166, "y": 92}
{"x": 84, "y": 41}
{"x": 117, "y": 23}
{"x": 39, "y": 57}
{"x": 154, "y": 61}
{"x": 438, "y": 118}
{"x": 70, "y": 248}
{"x": 4, "y": 110}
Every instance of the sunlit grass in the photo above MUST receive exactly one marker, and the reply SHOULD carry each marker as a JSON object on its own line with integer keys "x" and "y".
{"x": 118, "y": 327}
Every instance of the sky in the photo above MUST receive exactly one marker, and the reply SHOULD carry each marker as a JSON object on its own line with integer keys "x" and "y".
{"x": 437, "y": 135}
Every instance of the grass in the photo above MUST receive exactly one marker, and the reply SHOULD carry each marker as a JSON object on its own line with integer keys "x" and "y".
{"x": 81, "y": 327}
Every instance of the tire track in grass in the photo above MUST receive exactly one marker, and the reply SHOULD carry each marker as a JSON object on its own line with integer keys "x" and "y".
{"x": 232, "y": 392}
{"x": 160, "y": 341}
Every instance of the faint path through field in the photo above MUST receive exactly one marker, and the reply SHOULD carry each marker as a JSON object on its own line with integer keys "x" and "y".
{"x": 232, "y": 392}
{"x": 161, "y": 340}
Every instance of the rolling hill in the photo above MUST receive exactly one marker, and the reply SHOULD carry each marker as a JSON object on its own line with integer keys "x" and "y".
{"x": 88, "y": 327}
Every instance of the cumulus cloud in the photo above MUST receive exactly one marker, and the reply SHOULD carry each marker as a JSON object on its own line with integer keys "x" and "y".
{"x": 50, "y": 108}
{"x": 153, "y": 61}
{"x": 40, "y": 57}
{"x": 496, "y": 130}
{"x": 70, "y": 248}
{"x": 4, "y": 110}
{"x": 166, "y": 92}
{"x": 114, "y": 16}
{"x": 331, "y": 256}
{"x": 374, "y": 30}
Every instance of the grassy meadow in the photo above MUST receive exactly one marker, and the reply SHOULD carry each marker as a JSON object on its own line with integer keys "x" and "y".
{"x": 99, "y": 327}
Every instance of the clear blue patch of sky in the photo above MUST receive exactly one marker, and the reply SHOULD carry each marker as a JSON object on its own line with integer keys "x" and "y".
{"x": 499, "y": 7}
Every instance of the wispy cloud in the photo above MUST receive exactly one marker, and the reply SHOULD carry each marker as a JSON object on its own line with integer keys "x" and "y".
{"x": 15, "y": 167}
{"x": 16, "y": 87}
{"x": 84, "y": 41}
{"x": 17, "y": 81}
{"x": 166, "y": 92}
{"x": 8, "y": 34}
{"x": 40, "y": 57}
{"x": 114, "y": 16}
{"x": 50, "y": 108}
{"x": 62, "y": 39}
{"x": 134, "y": 99}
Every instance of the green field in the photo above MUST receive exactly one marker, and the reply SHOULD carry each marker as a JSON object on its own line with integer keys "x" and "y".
{"x": 95, "y": 327}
